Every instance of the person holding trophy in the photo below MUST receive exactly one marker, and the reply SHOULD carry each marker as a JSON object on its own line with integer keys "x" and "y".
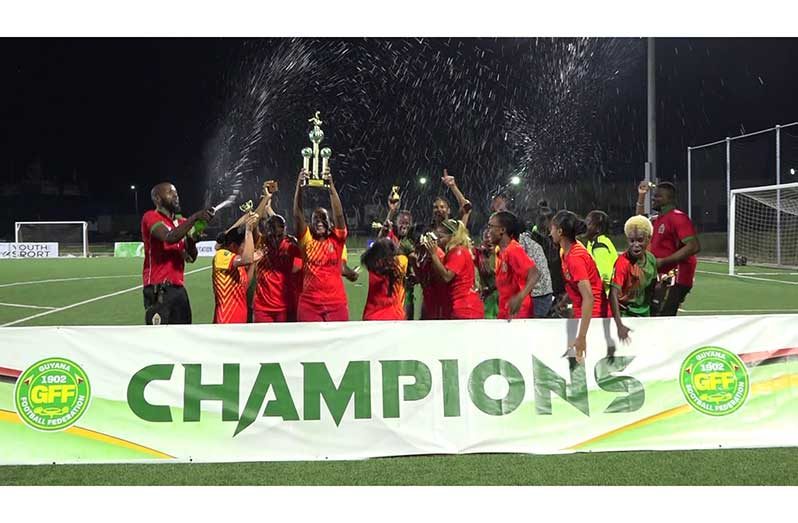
{"x": 321, "y": 242}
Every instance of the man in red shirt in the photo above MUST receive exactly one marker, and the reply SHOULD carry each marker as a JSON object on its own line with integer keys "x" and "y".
{"x": 674, "y": 243}
{"x": 323, "y": 297}
{"x": 167, "y": 247}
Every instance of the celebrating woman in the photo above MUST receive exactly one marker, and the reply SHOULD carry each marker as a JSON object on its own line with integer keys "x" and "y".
{"x": 387, "y": 271}
{"x": 456, "y": 269}
{"x": 323, "y": 297}
{"x": 232, "y": 271}
{"x": 634, "y": 276}
{"x": 516, "y": 273}
{"x": 582, "y": 280}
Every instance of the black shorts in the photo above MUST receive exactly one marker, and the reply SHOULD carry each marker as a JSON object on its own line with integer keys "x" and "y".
{"x": 668, "y": 298}
{"x": 166, "y": 304}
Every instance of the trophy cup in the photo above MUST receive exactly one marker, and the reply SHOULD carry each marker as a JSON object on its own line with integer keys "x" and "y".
{"x": 316, "y": 135}
{"x": 394, "y": 196}
{"x": 246, "y": 207}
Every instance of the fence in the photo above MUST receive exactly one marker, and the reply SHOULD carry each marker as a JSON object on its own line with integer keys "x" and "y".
{"x": 765, "y": 157}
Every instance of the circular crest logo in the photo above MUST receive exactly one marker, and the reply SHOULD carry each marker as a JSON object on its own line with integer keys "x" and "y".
{"x": 52, "y": 394}
{"x": 714, "y": 381}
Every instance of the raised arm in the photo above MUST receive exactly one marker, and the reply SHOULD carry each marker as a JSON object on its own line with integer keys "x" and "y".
{"x": 335, "y": 204}
{"x": 462, "y": 201}
{"x": 299, "y": 215}
{"x": 642, "y": 193}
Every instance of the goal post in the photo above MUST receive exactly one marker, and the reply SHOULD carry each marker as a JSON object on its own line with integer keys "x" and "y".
{"x": 763, "y": 226}
{"x": 71, "y": 236}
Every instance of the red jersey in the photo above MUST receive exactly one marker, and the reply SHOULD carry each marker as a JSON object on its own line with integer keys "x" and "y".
{"x": 577, "y": 265}
{"x": 163, "y": 262}
{"x": 512, "y": 268}
{"x": 276, "y": 285}
{"x": 229, "y": 288}
{"x": 672, "y": 229}
{"x": 463, "y": 299}
{"x": 379, "y": 304}
{"x": 434, "y": 291}
{"x": 321, "y": 267}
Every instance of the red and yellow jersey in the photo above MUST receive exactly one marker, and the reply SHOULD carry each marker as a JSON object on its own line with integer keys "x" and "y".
{"x": 276, "y": 284}
{"x": 512, "y": 267}
{"x": 229, "y": 288}
{"x": 321, "y": 267}
{"x": 382, "y": 305}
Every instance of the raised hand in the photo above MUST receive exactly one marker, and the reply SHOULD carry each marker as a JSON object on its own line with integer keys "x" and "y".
{"x": 447, "y": 180}
{"x": 643, "y": 188}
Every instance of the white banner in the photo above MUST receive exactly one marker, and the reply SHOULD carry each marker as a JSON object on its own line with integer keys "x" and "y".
{"x": 136, "y": 249}
{"x": 364, "y": 389}
{"x": 205, "y": 248}
{"x": 29, "y": 250}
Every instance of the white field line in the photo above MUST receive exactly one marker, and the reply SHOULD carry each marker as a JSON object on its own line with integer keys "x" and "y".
{"x": 84, "y": 302}
{"x": 726, "y": 264}
{"x": 67, "y": 279}
{"x": 748, "y": 277}
{"x": 24, "y": 306}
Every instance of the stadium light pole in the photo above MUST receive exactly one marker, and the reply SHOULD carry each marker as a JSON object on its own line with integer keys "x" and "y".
{"x": 135, "y": 198}
{"x": 651, "y": 118}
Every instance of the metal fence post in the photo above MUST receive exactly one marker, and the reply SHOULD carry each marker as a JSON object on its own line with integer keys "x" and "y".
{"x": 728, "y": 183}
{"x": 778, "y": 195}
{"x": 689, "y": 182}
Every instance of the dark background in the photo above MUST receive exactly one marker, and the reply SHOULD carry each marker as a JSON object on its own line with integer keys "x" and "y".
{"x": 83, "y": 119}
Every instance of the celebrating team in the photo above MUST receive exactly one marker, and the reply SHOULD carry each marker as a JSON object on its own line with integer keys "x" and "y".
{"x": 513, "y": 273}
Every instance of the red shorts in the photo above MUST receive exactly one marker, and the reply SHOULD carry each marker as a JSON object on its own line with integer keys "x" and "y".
{"x": 270, "y": 316}
{"x": 308, "y": 311}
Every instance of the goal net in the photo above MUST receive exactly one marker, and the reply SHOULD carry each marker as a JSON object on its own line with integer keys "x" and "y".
{"x": 763, "y": 227}
{"x": 71, "y": 237}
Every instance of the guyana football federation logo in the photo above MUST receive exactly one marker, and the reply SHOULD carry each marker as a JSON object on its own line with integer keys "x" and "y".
{"x": 52, "y": 394}
{"x": 714, "y": 381}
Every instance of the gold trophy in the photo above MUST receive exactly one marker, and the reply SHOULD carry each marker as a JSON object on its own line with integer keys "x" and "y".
{"x": 394, "y": 196}
{"x": 246, "y": 207}
{"x": 316, "y": 135}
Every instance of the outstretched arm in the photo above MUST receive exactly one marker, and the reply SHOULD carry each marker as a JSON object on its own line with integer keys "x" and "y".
{"x": 623, "y": 330}
{"x": 299, "y": 216}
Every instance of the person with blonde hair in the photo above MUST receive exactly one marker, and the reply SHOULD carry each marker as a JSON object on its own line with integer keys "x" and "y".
{"x": 634, "y": 275}
{"x": 456, "y": 269}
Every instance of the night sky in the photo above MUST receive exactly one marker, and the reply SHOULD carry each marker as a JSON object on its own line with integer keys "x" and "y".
{"x": 220, "y": 113}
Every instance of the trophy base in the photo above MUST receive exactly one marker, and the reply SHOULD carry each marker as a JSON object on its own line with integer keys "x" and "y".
{"x": 318, "y": 183}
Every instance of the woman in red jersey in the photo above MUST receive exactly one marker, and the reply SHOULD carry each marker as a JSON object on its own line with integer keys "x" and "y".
{"x": 323, "y": 297}
{"x": 231, "y": 272}
{"x": 456, "y": 269}
{"x": 582, "y": 280}
{"x": 276, "y": 292}
{"x": 516, "y": 273}
{"x": 387, "y": 271}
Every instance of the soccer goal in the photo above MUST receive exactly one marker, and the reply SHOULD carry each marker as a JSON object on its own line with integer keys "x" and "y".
{"x": 763, "y": 227}
{"x": 72, "y": 238}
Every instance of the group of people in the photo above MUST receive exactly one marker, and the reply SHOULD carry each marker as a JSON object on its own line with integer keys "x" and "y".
{"x": 561, "y": 266}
